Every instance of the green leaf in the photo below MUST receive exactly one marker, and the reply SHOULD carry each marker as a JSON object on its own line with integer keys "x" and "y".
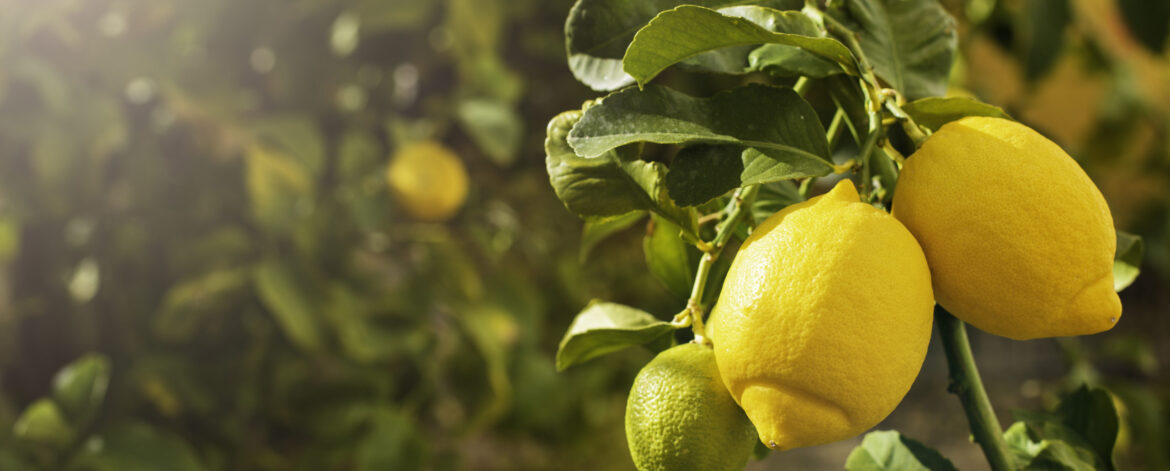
{"x": 786, "y": 137}
{"x": 393, "y": 442}
{"x": 286, "y": 297}
{"x": 669, "y": 257}
{"x": 80, "y": 387}
{"x": 597, "y": 33}
{"x": 1042, "y": 26}
{"x": 790, "y": 61}
{"x": 496, "y": 128}
{"x": 136, "y": 447}
{"x": 1127, "y": 261}
{"x": 890, "y": 450}
{"x": 701, "y": 173}
{"x": 610, "y": 184}
{"x": 598, "y": 229}
{"x": 189, "y": 305}
{"x": 44, "y": 423}
{"x": 910, "y": 43}
{"x": 773, "y": 197}
{"x": 603, "y": 328}
{"x": 934, "y": 112}
{"x": 686, "y": 31}
{"x": 1148, "y": 21}
{"x": 1079, "y": 434}
{"x": 279, "y": 188}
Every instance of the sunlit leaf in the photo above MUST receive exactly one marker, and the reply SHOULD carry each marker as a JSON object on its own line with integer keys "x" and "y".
{"x": 1127, "y": 261}
{"x": 677, "y": 34}
{"x": 603, "y": 328}
{"x": 891, "y": 451}
{"x": 786, "y": 138}
{"x": 80, "y": 387}
{"x": 934, "y": 112}
{"x": 44, "y": 423}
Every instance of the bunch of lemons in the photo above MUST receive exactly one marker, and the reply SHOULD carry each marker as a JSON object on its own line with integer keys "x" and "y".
{"x": 826, "y": 312}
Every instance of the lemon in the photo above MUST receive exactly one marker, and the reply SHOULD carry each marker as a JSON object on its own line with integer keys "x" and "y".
{"x": 823, "y": 321}
{"x": 1019, "y": 240}
{"x": 679, "y": 416}
{"x": 428, "y": 180}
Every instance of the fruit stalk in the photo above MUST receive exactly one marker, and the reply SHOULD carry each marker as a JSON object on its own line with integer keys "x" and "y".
{"x": 739, "y": 206}
{"x": 965, "y": 383}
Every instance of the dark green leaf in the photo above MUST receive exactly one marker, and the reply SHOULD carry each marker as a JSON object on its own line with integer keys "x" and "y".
{"x": 700, "y": 173}
{"x": 392, "y": 443}
{"x": 610, "y": 184}
{"x": 80, "y": 387}
{"x": 597, "y": 33}
{"x": 934, "y": 112}
{"x": 683, "y": 32}
{"x": 43, "y": 423}
{"x": 669, "y": 257}
{"x": 791, "y": 61}
{"x": 1091, "y": 413}
{"x": 910, "y": 43}
{"x": 1127, "y": 261}
{"x": 286, "y": 297}
{"x": 599, "y": 229}
{"x": 1149, "y": 21}
{"x": 787, "y": 138}
{"x": 889, "y": 450}
{"x": 1043, "y": 27}
{"x": 136, "y": 447}
{"x": 773, "y": 197}
{"x": 603, "y": 328}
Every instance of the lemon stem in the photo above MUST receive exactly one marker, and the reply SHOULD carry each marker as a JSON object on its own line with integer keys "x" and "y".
{"x": 916, "y": 132}
{"x": 739, "y": 206}
{"x": 965, "y": 383}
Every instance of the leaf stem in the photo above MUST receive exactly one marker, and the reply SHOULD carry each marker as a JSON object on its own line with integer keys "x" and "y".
{"x": 801, "y": 85}
{"x": 965, "y": 383}
{"x": 739, "y": 206}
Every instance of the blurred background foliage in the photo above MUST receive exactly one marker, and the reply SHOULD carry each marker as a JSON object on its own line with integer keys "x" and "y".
{"x": 202, "y": 268}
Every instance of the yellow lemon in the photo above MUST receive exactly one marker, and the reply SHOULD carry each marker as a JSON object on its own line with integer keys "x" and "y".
{"x": 679, "y": 416}
{"x": 1019, "y": 241}
{"x": 823, "y": 321}
{"x": 428, "y": 180}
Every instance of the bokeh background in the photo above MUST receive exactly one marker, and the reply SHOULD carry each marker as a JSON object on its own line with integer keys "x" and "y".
{"x": 201, "y": 267}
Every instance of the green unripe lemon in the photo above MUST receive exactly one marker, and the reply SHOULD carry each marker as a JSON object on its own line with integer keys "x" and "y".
{"x": 680, "y": 416}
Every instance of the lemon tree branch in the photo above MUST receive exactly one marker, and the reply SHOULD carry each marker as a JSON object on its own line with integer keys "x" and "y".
{"x": 692, "y": 315}
{"x": 965, "y": 383}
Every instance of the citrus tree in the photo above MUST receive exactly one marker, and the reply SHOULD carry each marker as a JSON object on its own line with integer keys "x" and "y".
{"x": 805, "y": 320}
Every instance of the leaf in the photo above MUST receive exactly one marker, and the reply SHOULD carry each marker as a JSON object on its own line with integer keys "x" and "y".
{"x": 598, "y": 229}
{"x": 688, "y": 30}
{"x": 669, "y": 257}
{"x": 279, "y": 188}
{"x": 934, "y": 112}
{"x": 286, "y": 297}
{"x": 597, "y": 33}
{"x": 1127, "y": 261}
{"x": 392, "y": 443}
{"x": 603, "y": 328}
{"x": 1043, "y": 25}
{"x": 44, "y": 423}
{"x": 495, "y": 127}
{"x": 610, "y": 184}
{"x": 190, "y": 304}
{"x": 136, "y": 447}
{"x": 786, "y": 137}
{"x": 80, "y": 387}
{"x": 1148, "y": 21}
{"x": 1079, "y": 434}
{"x": 701, "y": 173}
{"x": 910, "y": 43}
{"x": 773, "y": 197}
{"x": 790, "y": 61}
{"x": 890, "y": 450}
